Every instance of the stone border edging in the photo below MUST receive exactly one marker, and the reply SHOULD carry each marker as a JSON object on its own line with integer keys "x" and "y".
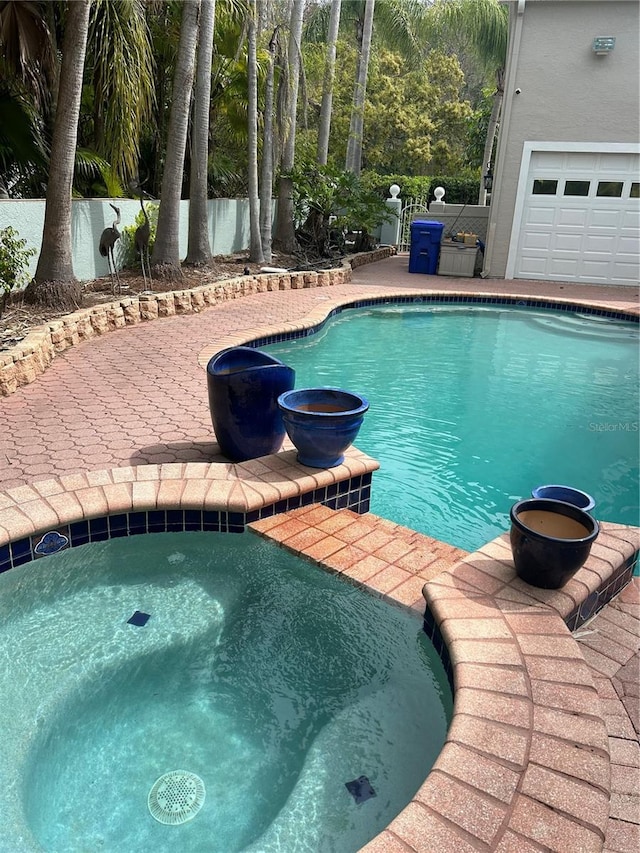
{"x": 23, "y": 363}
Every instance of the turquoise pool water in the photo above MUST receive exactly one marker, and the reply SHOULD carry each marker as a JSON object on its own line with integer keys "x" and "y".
{"x": 274, "y": 682}
{"x": 472, "y": 407}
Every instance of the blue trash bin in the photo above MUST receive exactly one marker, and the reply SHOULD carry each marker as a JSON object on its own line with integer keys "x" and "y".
{"x": 425, "y": 246}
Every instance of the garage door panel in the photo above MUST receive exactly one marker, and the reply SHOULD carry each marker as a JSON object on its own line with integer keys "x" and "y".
{"x": 629, "y": 245}
{"x": 541, "y": 215}
{"x": 631, "y": 219}
{"x": 580, "y": 162}
{"x": 622, "y": 271}
{"x": 581, "y": 238}
{"x": 595, "y": 267}
{"x": 621, "y": 163}
{"x": 564, "y": 266}
{"x": 534, "y": 267}
{"x": 566, "y": 243}
{"x": 550, "y": 160}
{"x": 610, "y": 219}
{"x": 572, "y": 217}
{"x": 538, "y": 240}
{"x": 598, "y": 243}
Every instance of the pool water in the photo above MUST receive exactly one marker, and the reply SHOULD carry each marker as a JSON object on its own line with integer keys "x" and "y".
{"x": 472, "y": 407}
{"x": 273, "y": 681}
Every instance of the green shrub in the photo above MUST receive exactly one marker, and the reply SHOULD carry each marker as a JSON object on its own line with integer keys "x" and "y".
{"x": 462, "y": 189}
{"x": 334, "y": 211}
{"x": 14, "y": 263}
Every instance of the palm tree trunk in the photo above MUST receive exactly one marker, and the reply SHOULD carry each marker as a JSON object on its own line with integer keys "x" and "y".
{"x": 354, "y": 145}
{"x": 55, "y": 283}
{"x": 266, "y": 182}
{"x": 327, "y": 84}
{"x": 255, "y": 243}
{"x": 492, "y": 129}
{"x": 285, "y": 238}
{"x": 165, "y": 260}
{"x": 199, "y": 248}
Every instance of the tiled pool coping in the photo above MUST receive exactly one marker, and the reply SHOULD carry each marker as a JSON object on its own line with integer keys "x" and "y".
{"x": 318, "y": 317}
{"x": 525, "y": 765}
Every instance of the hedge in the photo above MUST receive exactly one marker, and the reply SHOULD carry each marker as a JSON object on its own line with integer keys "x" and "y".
{"x": 461, "y": 189}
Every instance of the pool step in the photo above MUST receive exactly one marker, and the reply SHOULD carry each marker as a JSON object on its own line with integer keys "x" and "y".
{"x": 388, "y": 559}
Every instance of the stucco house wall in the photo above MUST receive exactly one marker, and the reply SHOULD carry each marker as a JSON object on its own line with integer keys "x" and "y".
{"x": 559, "y": 91}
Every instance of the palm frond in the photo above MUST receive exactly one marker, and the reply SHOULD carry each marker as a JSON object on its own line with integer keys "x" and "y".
{"x": 484, "y": 24}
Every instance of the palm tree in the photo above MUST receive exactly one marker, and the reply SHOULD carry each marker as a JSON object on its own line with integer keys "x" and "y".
{"x": 54, "y": 283}
{"x": 285, "y": 237}
{"x": 255, "y": 242}
{"x": 327, "y": 85}
{"x": 120, "y": 62}
{"x": 354, "y": 143}
{"x": 266, "y": 176}
{"x": 484, "y": 25}
{"x": 400, "y": 25}
{"x": 23, "y": 150}
{"x": 27, "y": 42}
{"x": 165, "y": 260}
{"x": 199, "y": 249}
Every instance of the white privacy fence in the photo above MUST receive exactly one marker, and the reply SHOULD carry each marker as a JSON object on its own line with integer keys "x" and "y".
{"x": 228, "y": 227}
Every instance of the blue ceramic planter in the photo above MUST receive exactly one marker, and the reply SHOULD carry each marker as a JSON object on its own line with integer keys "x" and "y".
{"x": 550, "y": 540}
{"x": 244, "y": 385}
{"x": 322, "y": 423}
{"x": 567, "y": 494}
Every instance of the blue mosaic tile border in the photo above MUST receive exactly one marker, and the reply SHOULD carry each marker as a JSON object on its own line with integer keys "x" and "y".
{"x": 445, "y": 299}
{"x": 602, "y": 596}
{"x": 432, "y": 631}
{"x": 353, "y": 493}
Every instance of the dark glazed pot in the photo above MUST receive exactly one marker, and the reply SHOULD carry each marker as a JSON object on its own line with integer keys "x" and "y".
{"x": 244, "y": 385}
{"x": 550, "y": 540}
{"x": 322, "y": 423}
{"x": 567, "y": 494}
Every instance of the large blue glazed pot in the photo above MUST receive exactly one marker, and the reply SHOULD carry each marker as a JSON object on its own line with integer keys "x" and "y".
{"x": 322, "y": 423}
{"x": 567, "y": 494}
{"x": 550, "y": 540}
{"x": 244, "y": 385}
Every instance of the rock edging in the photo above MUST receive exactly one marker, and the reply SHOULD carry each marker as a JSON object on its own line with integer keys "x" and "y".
{"x": 23, "y": 363}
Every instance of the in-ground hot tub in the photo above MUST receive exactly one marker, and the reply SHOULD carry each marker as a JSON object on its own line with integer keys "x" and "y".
{"x": 291, "y": 694}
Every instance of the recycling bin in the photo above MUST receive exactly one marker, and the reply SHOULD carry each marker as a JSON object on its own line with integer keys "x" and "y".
{"x": 425, "y": 246}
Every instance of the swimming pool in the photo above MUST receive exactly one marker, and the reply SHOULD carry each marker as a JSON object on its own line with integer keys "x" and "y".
{"x": 277, "y": 684}
{"x": 471, "y": 407}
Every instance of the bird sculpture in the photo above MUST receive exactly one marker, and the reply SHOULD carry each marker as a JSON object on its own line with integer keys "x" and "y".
{"x": 141, "y": 240}
{"x": 108, "y": 239}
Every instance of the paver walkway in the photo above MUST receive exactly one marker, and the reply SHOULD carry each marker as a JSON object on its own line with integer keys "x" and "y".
{"x": 138, "y": 396}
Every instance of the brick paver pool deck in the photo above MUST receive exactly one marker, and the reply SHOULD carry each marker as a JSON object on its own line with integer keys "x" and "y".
{"x": 542, "y": 753}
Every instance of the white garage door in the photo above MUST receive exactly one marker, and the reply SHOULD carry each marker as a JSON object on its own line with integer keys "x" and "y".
{"x": 581, "y": 218}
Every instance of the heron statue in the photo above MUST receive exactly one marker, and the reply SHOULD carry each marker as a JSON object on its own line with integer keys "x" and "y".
{"x": 141, "y": 240}
{"x": 108, "y": 239}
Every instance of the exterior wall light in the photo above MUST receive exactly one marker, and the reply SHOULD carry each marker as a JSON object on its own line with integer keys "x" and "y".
{"x": 488, "y": 180}
{"x": 602, "y": 45}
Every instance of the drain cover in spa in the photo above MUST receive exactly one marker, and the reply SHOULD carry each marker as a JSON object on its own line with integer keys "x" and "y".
{"x": 176, "y": 797}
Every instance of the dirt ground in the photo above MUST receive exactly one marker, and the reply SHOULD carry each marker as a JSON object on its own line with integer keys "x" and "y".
{"x": 18, "y": 318}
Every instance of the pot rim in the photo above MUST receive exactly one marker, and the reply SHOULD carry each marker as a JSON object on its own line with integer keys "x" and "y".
{"x": 553, "y": 505}
{"x": 268, "y": 360}
{"x": 286, "y": 406}
{"x": 590, "y": 502}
